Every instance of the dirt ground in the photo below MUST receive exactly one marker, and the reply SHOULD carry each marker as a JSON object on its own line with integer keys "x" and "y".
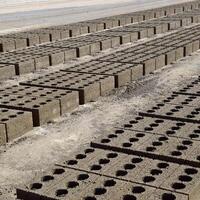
{"x": 40, "y": 149}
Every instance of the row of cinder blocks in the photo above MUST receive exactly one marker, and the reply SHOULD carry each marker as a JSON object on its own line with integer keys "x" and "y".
{"x": 148, "y": 145}
{"x": 99, "y": 76}
{"x": 94, "y": 173}
{"x": 66, "y": 183}
{"x": 33, "y": 58}
{"x": 169, "y": 128}
{"x": 132, "y": 168}
{"x": 89, "y": 86}
{"x": 25, "y": 39}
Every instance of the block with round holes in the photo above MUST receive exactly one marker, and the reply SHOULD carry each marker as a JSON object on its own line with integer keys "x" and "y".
{"x": 192, "y": 88}
{"x": 68, "y": 99}
{"x": 185, "y": 180}
{"x": 14, "y": 123}
{"x": 63, "y": 183}
{"x": 121, "y": 166}
{"x": 23, "y": 64}
{"x": 174, "y": 112}
{"x": 43, "y": 109}
{"x": 123, "y": 73}
{"x": 188, "y": 100}
{"x": 148, "y": 61}
{"x": 89, "y": 86}
{"x": 172, "y": 149}
{"x": 82, "y": 47}
{"x": 169, "y": 128}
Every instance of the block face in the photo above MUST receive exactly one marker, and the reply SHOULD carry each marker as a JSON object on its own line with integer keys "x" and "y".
{"x": 43, "y": 109}
{"x": 107, "y": 85}
{"x": 6, "y": 45}
{"x": 22, "y": 123}
{"x": 3, "y": 138}
{"x": 56, "y": 58}
{"x": 137, "y": 72}
{"x": 70, "y": 54}
{"x": 14, "y": 123}
{"x": 6, "y": 71}
{"x": 178, "y": 113}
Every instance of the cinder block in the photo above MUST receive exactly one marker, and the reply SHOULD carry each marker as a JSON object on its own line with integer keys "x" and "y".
{"x": 20, "y": 43}
{"x": 14, "y": 123}
{"x": 70, "y": 54}
{"x": 179, "y": 53}
{"x": 6, "y": 71}
{"x": 43, "y": 109}
{"x": 106, "y": 44}
{"x": 187, "y": 49}
{"x": 195, "y": 45}
{"x": 95, "y": 48}
{"x": 69, "y": 182}
{"x": 83, "y": 50}
{"x": 57, "y": 58}
{"x": 160, "y": 61}
{"x": 88, "y": 85}
{"x": 68, "y": 99}
{"x": 169, "y": 128}
{"x": 174, "y": 112}
{"x": 2, "y": 134}
{"x": 7, "y": 44}
{"x": 137, "y": 72}
{"x": 44, "y": 37}
{"x": 150, "y": 146}
{"x": 41, "y": 61}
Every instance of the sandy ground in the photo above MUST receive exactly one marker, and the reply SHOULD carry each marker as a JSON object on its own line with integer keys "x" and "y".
{"x": 40, "y": 149}
{"x": 18, "y": 15}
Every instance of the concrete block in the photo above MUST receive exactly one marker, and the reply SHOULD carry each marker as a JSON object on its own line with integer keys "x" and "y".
{"x": 88, "y": 85}
{"x": 43, "y": 38}
{"x": 189, "y": 100}
{"x": 179, "y": 53}
{"x": 70, "y": 54}
{"x": 106, "y": 44}
{"x": 115, "y": 41}
{"x": 6, "y": 71}
{"x": 136, "y": 72}
{"x": 195, "y": 45}
{"x": 174, "y": 112}
{"x": 7, "y": 45}
{"x": 14, "y": 123}
{"x": 120, "y": 73}
{"x": 160, "y": 61}
{"x": 20, "y": 43}
{"x": 68, "y": 100}
{"x": 83, "y": 50}
{"x": 41, "y": 62}
{"x": 57, "y": 58}
{"x": 187, "y": 49}
{"x": 43, "y": 109}
{"x": 130, "y": 168}
{"x": 70, "y": 182}
{"x": 187, "y": 131}
{"x": 32, "y": 39}
{"x": 95, "y": 48}
{"x": 150, "y": 146}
